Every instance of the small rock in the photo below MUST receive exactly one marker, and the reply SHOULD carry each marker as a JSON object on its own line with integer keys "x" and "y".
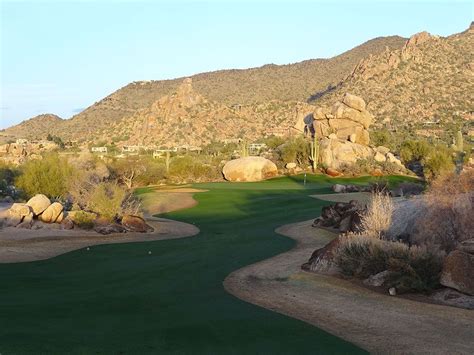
{"x": 290, "y": 165}
{"x": 67, "y": 224}
{"x": 136, "y": 224}
{"x": 392, "y": 291}
{"x": 338, "y": 188}
{"x": 333, "y": 172}
{"x": 109, "y": 228}
{"x": 379, "y": 157}
{"x": 377, "y": 280}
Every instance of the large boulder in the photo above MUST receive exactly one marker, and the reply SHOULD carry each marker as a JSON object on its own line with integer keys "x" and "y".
{"x": 38, "y": 203}
{"x": 54, "y": 213}
{"x": 136, "y": 224}
{"x": 249, "y": 169}
{"x": 354, "y": 102}
{"x": 335, "y": 153}
{"x": 458, "y": 272}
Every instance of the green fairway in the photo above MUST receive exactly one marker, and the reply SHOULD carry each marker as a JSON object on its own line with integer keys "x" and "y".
{"x": 119, "y": 299}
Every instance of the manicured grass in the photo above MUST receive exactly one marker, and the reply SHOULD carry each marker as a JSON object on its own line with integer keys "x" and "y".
{"x": 119, "y": 299}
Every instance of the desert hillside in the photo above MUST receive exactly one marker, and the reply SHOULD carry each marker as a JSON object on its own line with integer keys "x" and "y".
{"x": 254, "y": 88}
{"x": 428, "y": 83}
{"x": 424, "y": 84}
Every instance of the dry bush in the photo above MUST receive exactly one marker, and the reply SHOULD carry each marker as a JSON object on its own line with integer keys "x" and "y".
{"x": 411, "y": 268}
{"x": 376, "y": 220}
{"x": 449, "y": 217}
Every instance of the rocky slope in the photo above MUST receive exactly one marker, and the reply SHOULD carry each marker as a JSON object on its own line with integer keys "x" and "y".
{"x": 429, "y": 80}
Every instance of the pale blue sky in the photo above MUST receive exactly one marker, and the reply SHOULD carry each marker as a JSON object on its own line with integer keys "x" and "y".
{"x": 60, "y": 57}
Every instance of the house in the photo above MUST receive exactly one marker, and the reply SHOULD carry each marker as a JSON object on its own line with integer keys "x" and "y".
{"x": 255, "y": 148}
{"x": 99, "y": 149}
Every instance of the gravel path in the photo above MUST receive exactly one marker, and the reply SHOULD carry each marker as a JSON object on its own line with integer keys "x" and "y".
{"x": 373, "y": 321}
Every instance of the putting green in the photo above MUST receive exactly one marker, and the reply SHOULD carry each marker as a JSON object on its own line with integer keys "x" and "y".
{"x": 120, "y": 299}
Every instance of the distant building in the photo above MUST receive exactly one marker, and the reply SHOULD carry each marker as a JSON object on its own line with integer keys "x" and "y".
{"x": 255, "y": 148}
{"x": 160, "y": 152}
{"x": 131, "y": 148}
{"x": 99, "y": 149}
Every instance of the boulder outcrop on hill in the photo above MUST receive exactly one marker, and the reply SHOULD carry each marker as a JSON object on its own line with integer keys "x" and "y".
{"x": 342, "y": 131}
{"x": 249, "y": 169}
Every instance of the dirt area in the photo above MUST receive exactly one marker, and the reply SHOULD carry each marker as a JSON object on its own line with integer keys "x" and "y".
{"x": 373, "y": 321}
{"x": 163, "y": 200}
{"x": 22, "y": 245}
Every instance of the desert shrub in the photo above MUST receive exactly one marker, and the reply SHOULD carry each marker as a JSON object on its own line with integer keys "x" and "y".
{"x": 414, "y": 150}
{"x": 106, "y": 200}
{"x": 7, "y": 178}
{"x": 437, "y": 163}
{"x": 411, "y": 268}
{"x": 154, "y": 172}
{"x": 191, "y": 168}
{"x": 378, "y": 216}
{"x": 84, "y": 220}
{"x": 49, "y": 176}
{"x": 417, "y": 270}
{"x": 295, "y": 150}
{"x": 274, "y": 142}
{"x": 382, "y": 138}
{"x": 449, "y": 205}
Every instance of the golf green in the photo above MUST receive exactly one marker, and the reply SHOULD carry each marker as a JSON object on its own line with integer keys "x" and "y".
{"x": 120, "y": 299}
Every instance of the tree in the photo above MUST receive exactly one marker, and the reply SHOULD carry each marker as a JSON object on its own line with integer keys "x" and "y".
{"x": 50, "y": 176}
{"x": 128, "y": 170}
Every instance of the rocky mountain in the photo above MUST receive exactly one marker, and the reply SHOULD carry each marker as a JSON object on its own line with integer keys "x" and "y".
{"x": 265, "y": 91}
{"x": 428, "y": 82}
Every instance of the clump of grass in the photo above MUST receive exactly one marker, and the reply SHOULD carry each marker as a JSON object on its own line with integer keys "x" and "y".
{"x": 377, "y": 218}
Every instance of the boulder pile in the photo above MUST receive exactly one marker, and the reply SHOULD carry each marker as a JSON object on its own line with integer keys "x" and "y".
{"x": 39, "y": 211}
{"x": 39, "y": 207}
{"x": 343, "y": 133}
{"x": 343, "y": 217}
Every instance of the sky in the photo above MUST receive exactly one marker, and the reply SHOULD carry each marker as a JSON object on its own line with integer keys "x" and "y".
{"x": 62, "y": 56}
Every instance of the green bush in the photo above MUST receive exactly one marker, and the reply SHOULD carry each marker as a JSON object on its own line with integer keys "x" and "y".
{"x": 84, "y": 220}
{"x": 106, "y": 200}
{"x": 411, "y": 268}
{"x": 7, "y": 177}
{"x": 415, "y": 150}
{"x": 49, "y": 176}
{"x": 296, "y": 150}
{"x": 192, "y": 168}
{"x": 438, "y": 163}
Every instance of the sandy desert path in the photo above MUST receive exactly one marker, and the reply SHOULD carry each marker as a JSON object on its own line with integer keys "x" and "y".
{"x": 375, "y": 322}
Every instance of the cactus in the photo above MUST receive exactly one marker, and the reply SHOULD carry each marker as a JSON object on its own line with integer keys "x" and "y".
{"x": 167, "y": 162}
{"x": 244, "y": 152}
{"x": 458, "y": 143}
{"x": 314, "y": 152}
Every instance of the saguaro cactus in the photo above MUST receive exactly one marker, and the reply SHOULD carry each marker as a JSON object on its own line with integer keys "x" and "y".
{"x": 314, "y": 152}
